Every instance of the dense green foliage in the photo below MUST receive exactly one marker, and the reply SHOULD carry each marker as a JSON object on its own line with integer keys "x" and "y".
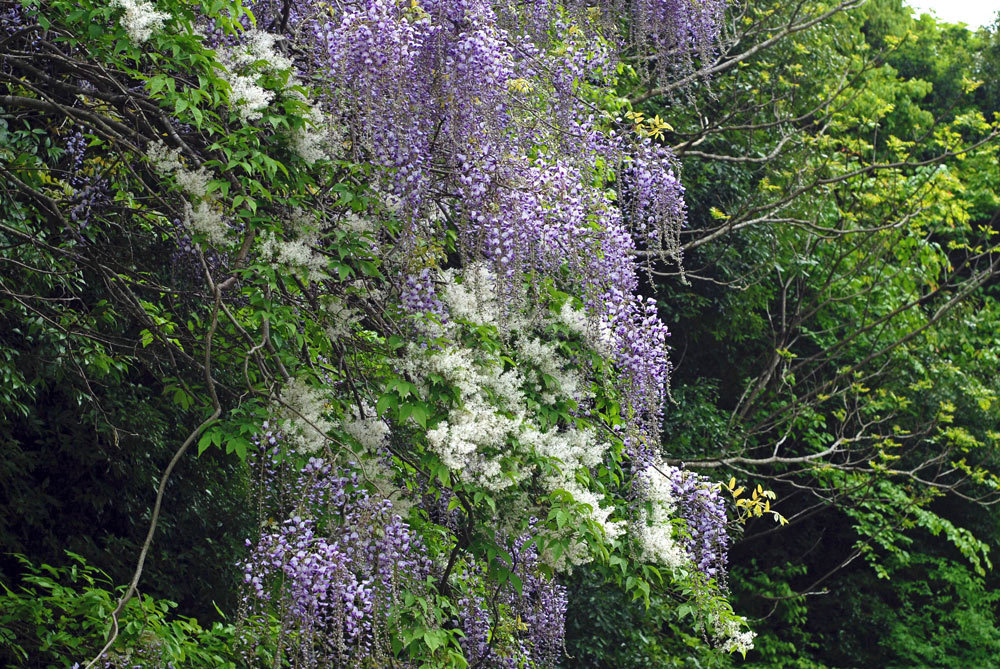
{"x": 54, "y": 614}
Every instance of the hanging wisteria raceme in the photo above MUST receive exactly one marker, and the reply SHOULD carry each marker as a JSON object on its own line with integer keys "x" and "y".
{"x": 701, "y": 505}
{"x": 540, "y": 606}
{"x": 76, "y": 146}
{"x": 334, "y": 570}
{"x": 88, "y": 190}
{"x": 538, "y": 609}
{"x": 92, "y": 192}
{"x": 673, "y": 30}
{"x": 419, "y": 295}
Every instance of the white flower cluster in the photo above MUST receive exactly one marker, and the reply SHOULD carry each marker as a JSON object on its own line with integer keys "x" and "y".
{"x": 314, "y": 140}
{"x": 732, "y": 637}
{"x": 471, "y": 296}
{"x": 163, "y": 159}
{"x": 359, "y": 224}
{"x": 479, "y": 437}
{"x": 194, "y": 183}
{"x": 471, "y": 440}
{"x": 575, "y": 449}
{"x": 342, "y": 317}
{"x": 255, "y": 53}
{"x": 597, "y": 335}
{"x": 257, "y": 49}
{"x": 201, "y": 214}
{"x": 247, "y": 97}
{"x": 546, "y": 360}
{"x": 576, "y": 553}
{"x": 140, "y": 20}
{"x": 656, "y": 531}
{"x": 297, "y": 254}
{"x": 574, "y": 319}
{"x": 366, "y": 427}
{"x": 366, "y": 227}
{"x": 301, "y": 416}
{"x": 206, "y": 219}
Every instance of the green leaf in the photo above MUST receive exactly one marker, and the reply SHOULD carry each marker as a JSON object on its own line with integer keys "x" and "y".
{"x": 386, "y": 402}
{"x": 204, "y": 442}
{"x": 238, "y": 445}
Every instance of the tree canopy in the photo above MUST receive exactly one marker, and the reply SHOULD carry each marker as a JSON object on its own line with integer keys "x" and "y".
{"x": 440, "y": 333}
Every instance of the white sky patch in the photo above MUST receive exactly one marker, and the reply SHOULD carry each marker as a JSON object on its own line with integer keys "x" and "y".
{"x": 974, "y": 13}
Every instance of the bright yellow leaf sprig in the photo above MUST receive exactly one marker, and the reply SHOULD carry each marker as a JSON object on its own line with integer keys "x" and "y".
{"x": 520, "y": 85}
{"x": 648, "y": 127}
{"x": 754, "y": 506}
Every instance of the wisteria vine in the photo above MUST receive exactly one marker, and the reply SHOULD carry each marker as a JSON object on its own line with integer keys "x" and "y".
{"x": 454, "y": 385}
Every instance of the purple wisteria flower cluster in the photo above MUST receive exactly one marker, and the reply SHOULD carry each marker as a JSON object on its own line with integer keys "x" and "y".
{"x": 76, "y": 147}
{"x": 91, "y": 195}
{"x": 536, "y": 610}
{"x": 676, "y": 30}
{"x": 15, "y": 18}
{"x": 333, "y": 571}
{"x": 90, "y": 192}
{"x": 419, "y": 295}
{"x": 703, "y": 508}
